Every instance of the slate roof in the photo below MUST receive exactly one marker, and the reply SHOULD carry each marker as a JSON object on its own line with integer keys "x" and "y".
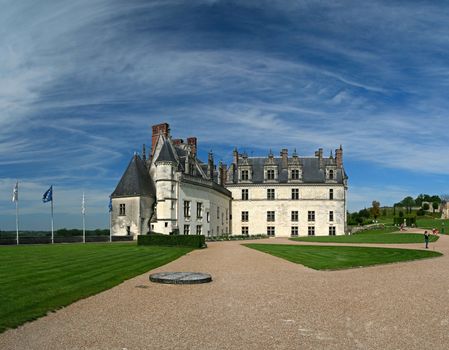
{"x": 311, "y": 171}
{"x": 166, "y": 153}
{"x": 136, "y": 181}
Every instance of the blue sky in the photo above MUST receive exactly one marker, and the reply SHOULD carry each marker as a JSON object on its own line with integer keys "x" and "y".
{"x": 81, "y": 82}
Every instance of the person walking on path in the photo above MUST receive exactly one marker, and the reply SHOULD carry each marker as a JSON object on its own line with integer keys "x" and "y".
{"x": 426, "y": 239}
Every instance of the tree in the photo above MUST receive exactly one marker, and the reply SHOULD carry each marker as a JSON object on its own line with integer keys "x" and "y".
{"x": 375, "y": 209}
{"x": 425, "y": 206}
{"x": 364, "y": 213}
{"x": 408, "y": 202}
{"x": 435, "y": 206}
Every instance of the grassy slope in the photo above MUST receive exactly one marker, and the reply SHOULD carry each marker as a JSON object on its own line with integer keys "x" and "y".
{"x": 41, "y": 278}
{"x": 336, "y": 258}
{"x": 433, "y": 223}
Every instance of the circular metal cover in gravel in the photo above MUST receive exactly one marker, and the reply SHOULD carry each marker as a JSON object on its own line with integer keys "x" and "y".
{"x": 180, "y": 277}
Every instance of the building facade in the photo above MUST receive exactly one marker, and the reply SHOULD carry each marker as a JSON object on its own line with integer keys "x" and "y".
{"x": 171, "y": 192}
{"x": 288, "y": 196}
{"x": 174, "y": 192}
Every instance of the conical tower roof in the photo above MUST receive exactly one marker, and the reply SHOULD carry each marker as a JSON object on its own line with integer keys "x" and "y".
{"x": 136, "y": 181}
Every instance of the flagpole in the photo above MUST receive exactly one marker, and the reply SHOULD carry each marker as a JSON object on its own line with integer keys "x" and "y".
{"x": 84, "y": 221}
{"x": 17, "y": 222}
{"x": 52, "y": 221}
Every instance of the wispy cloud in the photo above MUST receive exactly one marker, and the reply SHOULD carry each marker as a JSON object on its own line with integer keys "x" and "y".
{"x": 81, "y": 82}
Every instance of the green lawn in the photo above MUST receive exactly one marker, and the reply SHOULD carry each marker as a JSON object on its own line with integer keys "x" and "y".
{"x": 387, "y": 238}
{"x": 433, "y": 223}
{"x": 343, "y": 257}
{"x": 41, "y": 278}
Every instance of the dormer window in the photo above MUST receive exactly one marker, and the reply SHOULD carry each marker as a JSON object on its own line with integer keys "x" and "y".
{"x": 295, "y": 174}
{"x": 270, "y": 174}
{"x": 331, "y": 174}
{"x": 245, "y": 175}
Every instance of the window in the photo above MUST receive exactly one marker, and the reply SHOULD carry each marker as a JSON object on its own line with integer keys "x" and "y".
{"x": 295, "y": 215}
{"x": 166, "y": 224}
{"x": 173, "y": 188}
{"x": 270, "y": 174}
{"x": 244, "y": 175}
{"x": 331, "y": 216}
{"x": 227, "y": 216}
{"x": 186, "y": 229}
{"x": 187, "y": 209}
{"x": 199, "y": 229}
{"x": 208, "y": 217}
{"x": 245, "y": 194}
{"x": 331, "y": 194}
{"x": 222, "y": 218}
{"x": 218, "y": 230}
{"x": 294, "y": 231}
{"x": 295, "y": 193}
{"x": 270, "y": 231}
{"x": 331, "y": 174}
{"x": 172, "y": 205}
{"x": 270, "y": 215}
{"x": 332, "y": 231}
{"x": 218, "y": 213}
{"x": 270, "y": 193}
{"x": 295, "y": 174}
{"x": 245, "y": 216}
{"x": 199, "y": 210}
{"x": 311, "y": 216}
{"x": 122, "y": 210}
{"x": 311, "y": 230}
{"x": 245, "y": 231}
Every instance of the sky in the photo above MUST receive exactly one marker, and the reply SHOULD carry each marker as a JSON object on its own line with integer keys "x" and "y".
{"x": 81, "y": 83}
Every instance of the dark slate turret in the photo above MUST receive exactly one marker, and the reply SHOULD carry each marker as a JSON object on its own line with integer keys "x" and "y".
{"x": 136, "y": 181}
{"x": 166, "y": 154}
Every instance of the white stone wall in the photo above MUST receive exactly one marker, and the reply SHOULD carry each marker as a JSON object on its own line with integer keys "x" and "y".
{"x": 213, "y": 202}
{"x": 137, "y": 214}
{"x": 311, "y": 198}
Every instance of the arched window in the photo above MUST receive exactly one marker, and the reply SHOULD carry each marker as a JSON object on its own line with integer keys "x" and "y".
{"x": 331, "y": 174}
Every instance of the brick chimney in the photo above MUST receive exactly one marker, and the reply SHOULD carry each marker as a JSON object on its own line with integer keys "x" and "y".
{"x": 177, "y": 142}
{"x": 192, "y": 142}
{"x": 159, "y": 129}
{"x": 339, "y": 156}
{"x": 284, "y": 155}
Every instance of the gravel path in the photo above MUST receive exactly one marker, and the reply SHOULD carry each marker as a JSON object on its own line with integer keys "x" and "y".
{"x": 258, "y": 301}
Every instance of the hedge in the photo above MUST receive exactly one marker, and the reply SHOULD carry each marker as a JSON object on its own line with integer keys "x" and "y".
{"x": 409, "y": 220}
{"x": 195, "y": 241}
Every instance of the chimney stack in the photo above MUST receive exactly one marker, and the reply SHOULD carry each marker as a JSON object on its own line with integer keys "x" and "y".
{"x": 159, "y": 129}
{"x": 339, "y": 156}
{"x": 177, "y": 142}
{"x": 192, "y": 142}
{"x": 319, "y": 154}
{"x": 221, "y": 173}
{"x": 284, "y": 155}
{"x": 210, "y": 165}
{"x": 235, "y": 156}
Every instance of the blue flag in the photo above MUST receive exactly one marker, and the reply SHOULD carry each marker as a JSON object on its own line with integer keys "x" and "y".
{"x": 48, "y": 195}
{"x": 110, "y": 204}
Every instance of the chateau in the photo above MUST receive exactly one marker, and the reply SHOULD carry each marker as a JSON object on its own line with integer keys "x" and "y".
{"x": 173, "y": 192}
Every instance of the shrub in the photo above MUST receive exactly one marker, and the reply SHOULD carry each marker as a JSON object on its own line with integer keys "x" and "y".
{"x": 195, "y": 241}
{"x": 409, "y": 220}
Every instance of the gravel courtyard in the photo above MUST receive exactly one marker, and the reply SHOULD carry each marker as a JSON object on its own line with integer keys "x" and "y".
{"x": 257, "y": 301}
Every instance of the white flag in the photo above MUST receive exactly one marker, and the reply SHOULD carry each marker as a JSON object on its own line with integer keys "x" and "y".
{"x": 15, "y": 192}
{"x": 83, "y": 207}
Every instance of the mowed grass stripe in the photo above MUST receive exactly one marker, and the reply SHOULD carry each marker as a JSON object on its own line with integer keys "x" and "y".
{"x": 341, "y": 257}
{"x": 38, "y": 279}
{"x": 380, "y": 238}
